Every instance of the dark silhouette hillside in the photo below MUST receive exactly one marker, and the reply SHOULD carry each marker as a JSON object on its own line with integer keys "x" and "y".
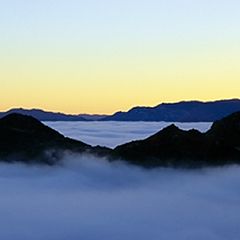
{"x": 175, "y": 147}
{"x": 24, "y": 138}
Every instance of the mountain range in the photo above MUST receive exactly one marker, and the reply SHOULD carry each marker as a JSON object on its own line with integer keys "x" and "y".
{"x": 185, "y": 111}
{"x": 42, "y": 115}
{"x": 25, "y": 139}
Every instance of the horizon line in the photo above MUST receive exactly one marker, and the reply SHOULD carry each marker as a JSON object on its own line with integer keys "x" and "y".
{"x": 107, "y": 114}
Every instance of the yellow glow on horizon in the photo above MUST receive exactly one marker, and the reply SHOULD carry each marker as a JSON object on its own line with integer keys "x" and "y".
{"x": 108, "y": 84}
{"x": 106, "y": 56}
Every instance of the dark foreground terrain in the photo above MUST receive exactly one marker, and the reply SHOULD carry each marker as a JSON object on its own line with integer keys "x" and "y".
{"x": 25, "y": 139}
{"x": 175, "y": 147}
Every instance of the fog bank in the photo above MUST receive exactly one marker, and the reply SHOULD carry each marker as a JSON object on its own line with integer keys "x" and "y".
{"x": 111, "y": 134}
{"x": 89, "y": 198}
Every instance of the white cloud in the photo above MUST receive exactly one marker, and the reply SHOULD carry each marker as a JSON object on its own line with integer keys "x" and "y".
{"x": 111, "y": 134}
{"x": 88, "y": 198}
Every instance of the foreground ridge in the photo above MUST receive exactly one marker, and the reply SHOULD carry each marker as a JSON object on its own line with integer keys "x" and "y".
{"x": 175, "y": 147}
{"x": 24, "y": 138}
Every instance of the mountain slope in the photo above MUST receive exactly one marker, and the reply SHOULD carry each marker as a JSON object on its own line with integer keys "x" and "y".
{"x": 175, "y": 147}
{"x": 24, "y": 138}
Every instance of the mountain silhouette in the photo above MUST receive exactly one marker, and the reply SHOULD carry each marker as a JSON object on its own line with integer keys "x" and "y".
{"x": 186, "y": 111}
{"x": 42, "y": 115}
{"x": 175, "y": 147}
{"x": 24, "y": 138}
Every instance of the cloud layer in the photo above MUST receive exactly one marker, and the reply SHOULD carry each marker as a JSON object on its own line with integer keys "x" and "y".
{"x": 111, "y": 134}
{"x": 88, "y": 198}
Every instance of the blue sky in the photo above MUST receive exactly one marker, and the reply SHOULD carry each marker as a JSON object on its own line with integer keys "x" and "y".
{"x": 138, "y": 49}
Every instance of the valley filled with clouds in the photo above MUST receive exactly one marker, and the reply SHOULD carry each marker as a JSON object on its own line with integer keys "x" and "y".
{"x": 110, "y": 134}
{"x": 84, "y": 197}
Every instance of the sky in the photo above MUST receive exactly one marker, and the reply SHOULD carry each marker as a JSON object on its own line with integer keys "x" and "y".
{"x": 103, "y": 56}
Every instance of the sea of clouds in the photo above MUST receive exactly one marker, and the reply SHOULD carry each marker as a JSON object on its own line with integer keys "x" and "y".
{"x": 111, "y": 134}
{"x": 89, "y": 198}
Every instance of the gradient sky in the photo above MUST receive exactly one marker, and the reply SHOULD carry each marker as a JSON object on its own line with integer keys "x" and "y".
{"x": 103, "y": 56}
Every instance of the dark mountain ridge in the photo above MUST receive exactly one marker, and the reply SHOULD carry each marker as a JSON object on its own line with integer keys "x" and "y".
{"x": 185, "y": 111}
{"x": 178, "y": 148}
{"x": 53, "y": 116}
{"x": 24, "y": 138}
